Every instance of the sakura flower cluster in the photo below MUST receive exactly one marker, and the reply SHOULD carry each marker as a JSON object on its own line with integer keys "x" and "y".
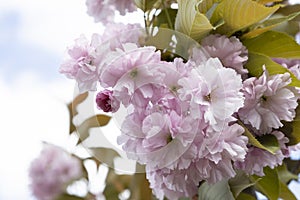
{"x": 52, "y": 171}
{"x": 186, "y": 119}
{"x": 85, "y": 57}
{"x": 104, "y": 10}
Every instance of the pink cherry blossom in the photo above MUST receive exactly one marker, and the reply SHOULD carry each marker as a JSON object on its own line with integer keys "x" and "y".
{"x": 101, "y": 10}
{"x": 230, "y": 51}
{"x": 218, "y": 150}
{"x": 125, "y": 61}
{"x": 214, "y": 92}
{"x": 172, "y": 184}
{"x": 52, "y": 171}
{"x": 158, "y": 139}
{"x": 213, "y": 163}
{"x": 118, "y": 34}
{"x": 292, "y": 64}
{"x": 83, "y": 64}
{"x": 104, "y": 10}
{"x": 268, "y": 100}
{"x": 124, "y": 6}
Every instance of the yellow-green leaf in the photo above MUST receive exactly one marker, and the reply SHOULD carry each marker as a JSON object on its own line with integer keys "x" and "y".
{"x": 270, "y": 142}
{"x": 267, "y": 142}
{"x": 296, "y": 126}
{"x": 285, "y": 192}
{"x": 104, "y": 155}
{"x": 269, "y": 184}
{"x": 244, "y": 196}
{"x": 268, "y": 25}
{"x": 293, "y": 165}
{"x": 274, "y": 44}
{"x": 140, "y": 187}
{"x": 94, "y": 121}
{"x": 289, "y": 9}
{"x": 240, "y": 182}
{"x": 72, "y": 107}
{"x": 285, "y": 175}
{"x": 163, "y": 16}
{"x": 190, "y": 21}
{"x": 240, "y": 14}
{"x": 145, "y": 5}
{"x": 257, "y": 60}
{"x": 116, "y": 184}
{"x": 205, "y": 5}
{"x": 292, "y": 129}
{"x": 219, "y": 190}
{"x": 291, "y": 132}
{"x": 267, "y": 1}
{"x": 68, "y": 197}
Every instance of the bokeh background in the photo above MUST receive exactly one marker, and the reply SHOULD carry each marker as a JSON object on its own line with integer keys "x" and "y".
{"x": 34, "y": 35}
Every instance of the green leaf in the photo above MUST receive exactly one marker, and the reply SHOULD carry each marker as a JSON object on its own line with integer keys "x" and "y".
{"x": 162, "y": 17}
{"x": 240, "y": 182}
{"x": 285, "y": 192}
{"x": 270, "y": 142}
{"x": 274, "y": 44}
{"x": 104, "y": 155}
{"x": 267, "y": 1}
{"x": 269, "y": 184}
{"x": 140, "y": 186}
{"x": 292, "y": 165}
{"x": 94, "y": 121}
{"x": 289, "y": 9}
{"x": 111, "y": 192}
{"x": 257, "y": 60}
{"x": 72, "y": 107}
{"x": 190, "y": 21}
{"x": 288, "y": 130}
{"x": 115, "y": 184}
{"x": 266, "y": 142}
{"x": 285, "y": 175}
{"x": 145, "y": 5}
{"x": 219, "y": 190}
{"x": 296, "y": 127}
{"x": 244, "y": 196}
{"x": 205, "y": 5}
{"x": 240, "y": 14}
{"x": 68, "y": 197}
{"x": 268, "y": 24}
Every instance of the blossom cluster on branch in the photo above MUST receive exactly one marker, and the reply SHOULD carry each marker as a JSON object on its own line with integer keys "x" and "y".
{"x": 206, "y": 98}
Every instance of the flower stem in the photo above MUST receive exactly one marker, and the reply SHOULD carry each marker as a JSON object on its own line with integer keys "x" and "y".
{"x": 167, "y": 15}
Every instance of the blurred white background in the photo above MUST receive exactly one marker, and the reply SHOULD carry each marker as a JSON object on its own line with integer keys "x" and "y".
{"x": 33, "y": 39}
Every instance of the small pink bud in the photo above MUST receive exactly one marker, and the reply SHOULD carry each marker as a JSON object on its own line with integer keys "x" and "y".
{"x": 106, "y": 102}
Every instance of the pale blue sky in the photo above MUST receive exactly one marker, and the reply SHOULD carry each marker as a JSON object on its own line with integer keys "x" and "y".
{"x": 17, "y": 56}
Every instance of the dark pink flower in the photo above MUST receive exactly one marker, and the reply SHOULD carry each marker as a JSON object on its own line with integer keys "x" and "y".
{"x": 106, "y": 102}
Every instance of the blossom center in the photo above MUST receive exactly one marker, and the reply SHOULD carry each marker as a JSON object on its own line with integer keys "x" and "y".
{"x": 133, "y": 73}
{"x": 264, "y": 98}
{"x": 169, "y": 138}
{"x": 207, "y": 98}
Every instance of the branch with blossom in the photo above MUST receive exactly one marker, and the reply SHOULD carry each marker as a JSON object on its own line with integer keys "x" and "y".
{"x": 208, "y": 92}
